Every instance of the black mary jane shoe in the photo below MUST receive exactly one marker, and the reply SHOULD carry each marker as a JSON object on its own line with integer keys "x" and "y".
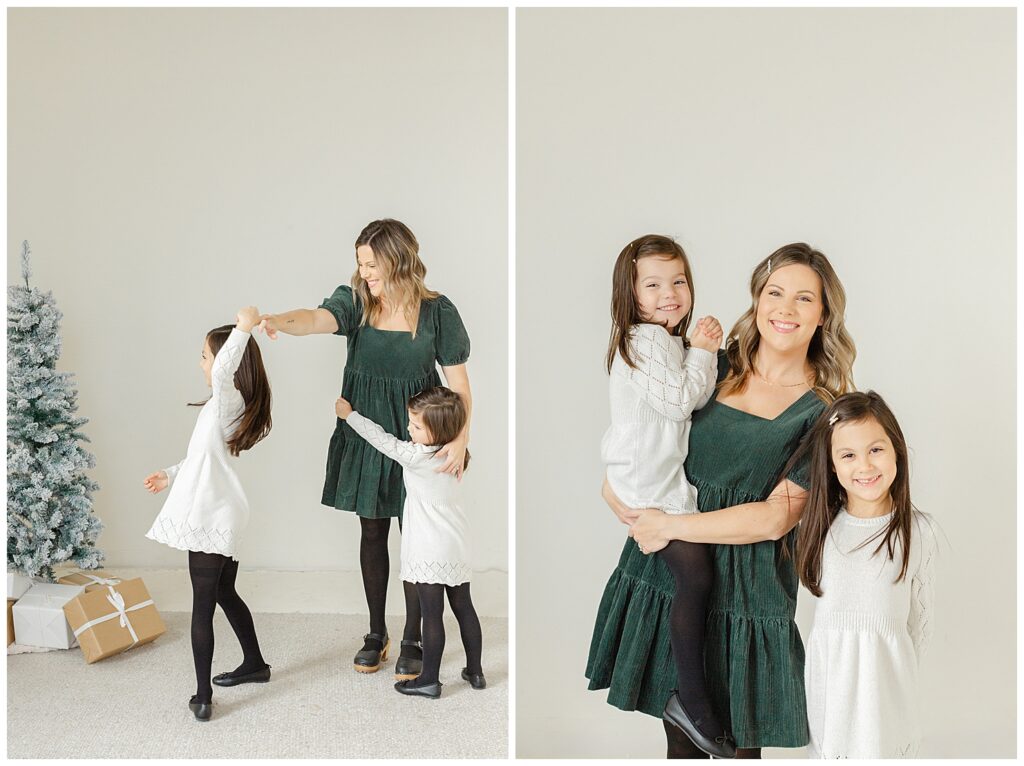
{"x": 260, "y": 676}
{"x": 432, "y": 691}
{"x": 408, "y": 668}
{"x": 720, "y": 746}
{"x": 476, "y": 680}
{"x": 369, "y": 660}
{"x": 201, "y": 710}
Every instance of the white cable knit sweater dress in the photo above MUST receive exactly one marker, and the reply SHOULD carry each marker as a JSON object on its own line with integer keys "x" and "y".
{"x": 206, "y": 507}
{"x": 867, "y": 639}
{"x": 435, "y": 533}
{"x": 645, "y": 446}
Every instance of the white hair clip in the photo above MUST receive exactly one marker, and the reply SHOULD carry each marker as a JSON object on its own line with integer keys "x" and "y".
{"x": 832, "y": 420}
{"x": 769, "y": 267}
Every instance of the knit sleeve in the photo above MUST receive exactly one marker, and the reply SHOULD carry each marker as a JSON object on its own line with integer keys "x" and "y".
{"x": 346, "y": 308}
{"x": 669, "y": 383}
{"x": 452, "y": 338}
{"x": 226, "y": 397}
{"x": 922, "y": 589}
{"x": 403, "y": 453}
{"x": 172, "y": 472}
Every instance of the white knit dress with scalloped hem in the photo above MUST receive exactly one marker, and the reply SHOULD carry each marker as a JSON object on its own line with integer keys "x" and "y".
{"x": 867, "y": 639}
{"x": 647, "y": 442}
{"x": 206, "y": 508}
{"x": 435, "y": 532}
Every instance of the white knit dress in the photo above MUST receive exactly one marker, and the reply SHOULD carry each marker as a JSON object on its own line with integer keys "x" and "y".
{"x": 866, "y": 642}
{"x": 644, "y": 448}
{"x": 435, "y": 533}
{"x": 206, "y": 507}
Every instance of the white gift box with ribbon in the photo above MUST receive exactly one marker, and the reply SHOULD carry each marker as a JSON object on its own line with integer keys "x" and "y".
{"x": 17, "y": 584}
{"x": 39, "y": 618}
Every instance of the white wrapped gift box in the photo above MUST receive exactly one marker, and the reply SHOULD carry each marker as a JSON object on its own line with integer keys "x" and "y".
{"x": 17, "y": 584}
{"x": 39, "y": 616}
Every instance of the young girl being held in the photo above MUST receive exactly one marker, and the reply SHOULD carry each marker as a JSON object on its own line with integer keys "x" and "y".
{"x": 206, "y": 508}
{"x": 869, "y": 557}
{"x": 435, "y": 548}
{"x": 657, "y": 380}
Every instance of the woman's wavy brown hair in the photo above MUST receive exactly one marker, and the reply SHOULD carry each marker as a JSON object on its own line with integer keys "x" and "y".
{"x": 625, "y": 307}
{"x": 827, "y": 497}
{"x": 251, "y": 381}
{"x": 396, "y": 253}
{"x": 444, "y": 414}
{"x": 832, "y": 350}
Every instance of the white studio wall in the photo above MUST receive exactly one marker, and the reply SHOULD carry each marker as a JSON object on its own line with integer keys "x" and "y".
{"x": 169, "y": 166}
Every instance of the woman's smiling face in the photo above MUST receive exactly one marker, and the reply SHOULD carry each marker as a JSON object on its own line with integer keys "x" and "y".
{"x": 368, "y": 270}
{"x": 790, "y": 308}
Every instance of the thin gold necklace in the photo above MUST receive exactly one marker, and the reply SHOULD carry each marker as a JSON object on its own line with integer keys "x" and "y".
{"x": 780, "y": 385}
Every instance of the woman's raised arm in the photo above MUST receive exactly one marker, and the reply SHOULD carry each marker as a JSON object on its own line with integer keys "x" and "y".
{"x": 298, "y": 322}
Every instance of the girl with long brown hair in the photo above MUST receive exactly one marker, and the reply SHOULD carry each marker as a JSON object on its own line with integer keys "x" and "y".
{"x": 657, "y": 378}
{"x": 206, "y": 509}
{"x": 435, "y": 537}
{"x": 784, "y": 360}
{"x": 398, "y": 332}
{"x": 868, "y": 556}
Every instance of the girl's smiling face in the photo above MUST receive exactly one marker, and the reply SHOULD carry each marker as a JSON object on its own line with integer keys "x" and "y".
{"x": 368, "y": 270}
{"x": 662, "y": 292}
{"x": 418, "y": 431}
{"x": 790, "y": 308}
{"x": 206, "y": 361}
{"x": 864, "y": 460}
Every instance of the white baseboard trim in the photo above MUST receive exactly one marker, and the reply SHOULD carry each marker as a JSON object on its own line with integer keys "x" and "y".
{"x": 281, "y": 592}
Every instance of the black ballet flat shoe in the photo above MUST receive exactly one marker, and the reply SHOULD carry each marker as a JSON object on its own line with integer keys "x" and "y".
{"x": 432, "y": 691}
{"x": 408, "y": 668}
{"x": 476, "y": 680}
{"x": 369, "y": 660}
{"x": 260, "y": 676}
{"x": 720, "y": 746}
{"x": 201, "y": 710}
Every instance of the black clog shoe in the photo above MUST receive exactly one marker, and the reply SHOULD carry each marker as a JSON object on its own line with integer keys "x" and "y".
{"x": 369, "y": 660}
{"x": 718, "y": 745}
{"x": 476, "y": 680}
{"x": 260, "y": 676}
{"x": 408, "y": 668}
{"x": 432, "y": 691}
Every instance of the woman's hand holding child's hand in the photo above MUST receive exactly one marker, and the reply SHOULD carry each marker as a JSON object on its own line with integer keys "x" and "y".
{"x": 248, "y": 318}
{"x": 156, "y": 482}
{"x": 342, "y": 408}
{"x": 707, "y": 334}
{"x": 268, "y": 326}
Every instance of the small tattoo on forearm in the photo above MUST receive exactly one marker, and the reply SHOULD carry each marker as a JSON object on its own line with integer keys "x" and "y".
{"x": 290, "y": 321}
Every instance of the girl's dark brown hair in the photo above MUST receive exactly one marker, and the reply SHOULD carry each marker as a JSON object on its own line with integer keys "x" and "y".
{"x": 826, "y": 496}
{"x": 251, "y": 380}
{"x": 443, "y": 413}
{"x": 625, "y": 308}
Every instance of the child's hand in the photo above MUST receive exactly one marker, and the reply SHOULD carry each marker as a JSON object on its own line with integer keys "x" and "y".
{"x": 707, "y": 334}
{"x": 248, "y": 318}
{"x": 156, "y": 482}
{"x": 342, "y": 408}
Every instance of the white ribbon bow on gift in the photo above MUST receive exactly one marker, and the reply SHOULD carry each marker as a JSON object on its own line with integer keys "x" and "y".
{"x": 117, "y": 601}
{"x": 108, "y": 581}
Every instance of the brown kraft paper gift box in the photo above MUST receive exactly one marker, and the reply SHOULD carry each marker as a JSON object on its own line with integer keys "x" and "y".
{"x": 88, "y": 579}
{"x": 104, "y": 620}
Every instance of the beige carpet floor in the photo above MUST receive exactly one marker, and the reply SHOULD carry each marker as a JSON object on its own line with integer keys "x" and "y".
{"x": 315, "y": 706}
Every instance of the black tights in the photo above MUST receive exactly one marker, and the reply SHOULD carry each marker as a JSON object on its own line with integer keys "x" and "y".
{"x": 213, "y": 583}
{"x": 680, "y": 746}
{"x": 692, "y": 567}
{"x": 432, "y": 600}
{"x": 375, "y": 566}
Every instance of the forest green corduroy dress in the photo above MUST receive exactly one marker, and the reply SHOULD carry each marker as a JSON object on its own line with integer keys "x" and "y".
{"x": 384, "y": 369}
{"x": 753, "y": 655}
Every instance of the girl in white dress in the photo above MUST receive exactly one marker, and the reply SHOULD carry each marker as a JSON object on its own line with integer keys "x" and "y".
{"x": 206, "y": 508}
{"x": 656, "y": 380}
{"x": 869, "y": 557}
{"x": 435, "y": 547}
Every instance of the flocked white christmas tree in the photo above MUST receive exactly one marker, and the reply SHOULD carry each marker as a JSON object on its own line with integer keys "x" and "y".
{"x": 49, "y": 496}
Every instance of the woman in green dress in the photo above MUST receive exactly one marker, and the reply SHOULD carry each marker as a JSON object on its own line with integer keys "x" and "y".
{"x": 398, "y": 331}
{"x": 785, "y": 357}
